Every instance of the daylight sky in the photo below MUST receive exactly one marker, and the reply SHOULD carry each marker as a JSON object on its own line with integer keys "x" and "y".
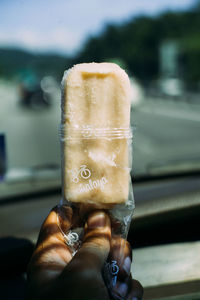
{"x": 63, "y": 25}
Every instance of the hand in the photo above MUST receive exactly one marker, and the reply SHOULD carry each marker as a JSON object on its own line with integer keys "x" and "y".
{"x": 54, "y": 274}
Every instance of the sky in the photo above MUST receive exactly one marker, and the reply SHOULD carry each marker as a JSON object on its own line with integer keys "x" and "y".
{"x": 62, "y": 26}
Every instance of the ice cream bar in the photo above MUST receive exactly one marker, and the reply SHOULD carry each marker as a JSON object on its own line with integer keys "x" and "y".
{"x": 95, "y": 134}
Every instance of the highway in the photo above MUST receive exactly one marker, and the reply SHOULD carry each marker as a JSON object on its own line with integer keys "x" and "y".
{"x": 166, "y": 135}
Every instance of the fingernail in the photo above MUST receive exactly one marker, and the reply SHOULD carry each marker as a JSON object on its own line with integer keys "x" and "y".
{"x": 96, "y": 220}
{"x": 127, "y": 265}
{"x": 121, "y": 289}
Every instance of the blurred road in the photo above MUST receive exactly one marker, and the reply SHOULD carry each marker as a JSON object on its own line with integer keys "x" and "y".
{"x": 32, "y": 135}
{"x": 167, "y": 135}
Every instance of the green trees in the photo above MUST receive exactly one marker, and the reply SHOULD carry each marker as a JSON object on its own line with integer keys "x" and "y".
{"x": 137, "y": 44}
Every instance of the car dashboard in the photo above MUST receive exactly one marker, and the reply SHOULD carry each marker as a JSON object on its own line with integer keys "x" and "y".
{"x": 164, "y": 234}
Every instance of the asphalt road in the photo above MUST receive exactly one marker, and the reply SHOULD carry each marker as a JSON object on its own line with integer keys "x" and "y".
{"x": 166, "y": 136}
{"x": 166, "y": 133}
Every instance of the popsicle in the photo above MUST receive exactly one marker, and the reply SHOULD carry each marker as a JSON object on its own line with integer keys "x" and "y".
{"x": 96, "y": 134}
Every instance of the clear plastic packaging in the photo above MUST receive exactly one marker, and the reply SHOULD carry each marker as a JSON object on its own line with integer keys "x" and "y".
{"x": 96, "y": 166}
{"x": 85, "y": 181}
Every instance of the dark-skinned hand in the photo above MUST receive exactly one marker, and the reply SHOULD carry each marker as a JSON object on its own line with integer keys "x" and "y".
{"x": 54, "y": 273}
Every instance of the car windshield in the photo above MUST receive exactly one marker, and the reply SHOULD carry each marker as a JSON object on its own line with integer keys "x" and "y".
{"x": 156, "y": 42}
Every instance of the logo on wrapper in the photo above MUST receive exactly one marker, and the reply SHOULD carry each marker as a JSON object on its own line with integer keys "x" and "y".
{"x": 85, "y": 173}
{"x": 71, "y": 238}
{"x": 110, "y": 272}
{"x": 93, "y": 184}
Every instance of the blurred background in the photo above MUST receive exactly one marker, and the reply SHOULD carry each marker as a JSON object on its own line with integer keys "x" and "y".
{"x": 157, "y": 42}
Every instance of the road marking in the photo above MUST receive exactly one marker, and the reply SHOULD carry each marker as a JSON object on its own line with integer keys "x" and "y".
{"x": 173, "y": 114}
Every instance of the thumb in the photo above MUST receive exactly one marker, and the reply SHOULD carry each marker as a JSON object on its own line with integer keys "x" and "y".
{"x": 83, "y": 275}
{"x": 96, "y": 243}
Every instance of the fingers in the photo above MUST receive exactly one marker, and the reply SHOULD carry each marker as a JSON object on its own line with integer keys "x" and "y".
{"x": 86, "y": 266}
{"x": 121, "y": 252}
{"x": 50, "y": 228}
{"x": 97, "y": 233}
{"x": 96, "y": 244}
{"x": 97, "y": 236}
{"x": 51, "y": 254}
{"x": 119, "y": 262}
{"x": 135, "y": 290}
{"x": 131, "y": 289}
{"x": 124, "y": 287}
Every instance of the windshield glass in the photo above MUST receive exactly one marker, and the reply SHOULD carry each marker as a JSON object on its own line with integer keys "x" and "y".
{"x": 156, "y": 42}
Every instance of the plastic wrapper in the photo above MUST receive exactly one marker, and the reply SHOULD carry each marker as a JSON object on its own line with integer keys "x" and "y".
{"x": 96, "y": 166}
